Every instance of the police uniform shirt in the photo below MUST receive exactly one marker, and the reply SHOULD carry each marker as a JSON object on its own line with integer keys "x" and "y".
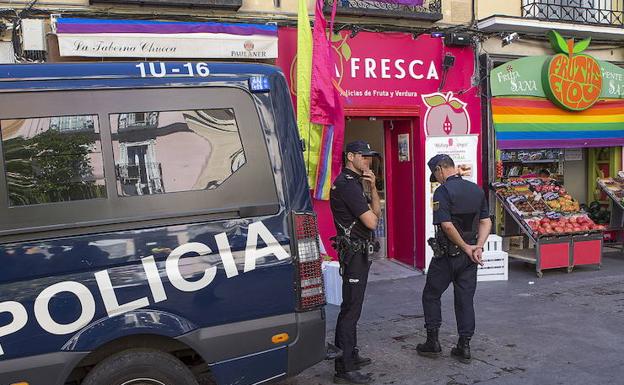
{"x": 348, "y": 202}
{"x": 459, "y": 196}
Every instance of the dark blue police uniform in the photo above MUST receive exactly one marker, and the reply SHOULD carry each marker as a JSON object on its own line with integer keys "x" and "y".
{"x": 463, "y": 203}
{"x": 348, "y": 201}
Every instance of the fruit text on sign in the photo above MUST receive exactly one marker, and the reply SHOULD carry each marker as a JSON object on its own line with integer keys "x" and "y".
{"x": 571, "y": 80}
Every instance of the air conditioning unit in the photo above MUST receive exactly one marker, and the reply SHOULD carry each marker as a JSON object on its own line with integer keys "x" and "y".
{"x": 33, "y": 38}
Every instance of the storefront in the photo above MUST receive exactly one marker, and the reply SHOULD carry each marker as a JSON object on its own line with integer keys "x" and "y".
{"x": 410, "y": 97}
{"x": 557, "y": 131}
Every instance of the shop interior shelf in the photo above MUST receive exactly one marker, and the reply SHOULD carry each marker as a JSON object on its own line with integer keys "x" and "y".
{"x": 615, "y": 199}
{"x": 533, "y": 161}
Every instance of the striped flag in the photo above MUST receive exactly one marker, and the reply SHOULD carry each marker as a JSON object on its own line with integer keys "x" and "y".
{"x": 310, "y": 133}
{"x": 326, "y": 106}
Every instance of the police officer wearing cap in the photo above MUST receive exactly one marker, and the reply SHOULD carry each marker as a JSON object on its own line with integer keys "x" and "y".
{"x": 462, "y": 222}
{"x": 356, "y": 217}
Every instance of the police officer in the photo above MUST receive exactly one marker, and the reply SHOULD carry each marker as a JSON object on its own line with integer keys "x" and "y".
{"x": 355, "y": 216}
{"x": 461, "y": 218}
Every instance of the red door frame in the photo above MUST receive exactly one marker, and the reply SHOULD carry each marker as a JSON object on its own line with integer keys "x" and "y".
{"x": 417, "y": 148}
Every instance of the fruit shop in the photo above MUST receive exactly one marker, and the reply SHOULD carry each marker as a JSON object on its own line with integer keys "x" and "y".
{"x": 555, "y": 154}
{"x": 408, "y": 96}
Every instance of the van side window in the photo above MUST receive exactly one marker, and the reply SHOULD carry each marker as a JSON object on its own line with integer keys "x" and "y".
{"x": 52, "y": 159}
{"x": 160, "y": 152}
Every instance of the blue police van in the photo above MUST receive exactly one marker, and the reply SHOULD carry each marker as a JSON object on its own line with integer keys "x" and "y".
{"x": 155, "y": 227}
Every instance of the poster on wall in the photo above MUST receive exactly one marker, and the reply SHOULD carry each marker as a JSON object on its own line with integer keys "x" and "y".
{"x": 463, "y": 150}
{"x": 404, "y": 148}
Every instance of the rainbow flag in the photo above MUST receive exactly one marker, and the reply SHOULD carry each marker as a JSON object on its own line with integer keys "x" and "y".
{"x": 309, "y": 133}
{"x": 326, "y": 105}
{"x": 533, "y": 122}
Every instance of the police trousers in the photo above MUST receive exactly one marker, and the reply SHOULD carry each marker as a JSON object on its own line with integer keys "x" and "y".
{"x": 462, "y": 272}
{"x": 354, "y": 280}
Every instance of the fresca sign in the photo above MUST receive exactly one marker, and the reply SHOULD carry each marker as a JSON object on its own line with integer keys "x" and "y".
{"x": 570, "y": 79}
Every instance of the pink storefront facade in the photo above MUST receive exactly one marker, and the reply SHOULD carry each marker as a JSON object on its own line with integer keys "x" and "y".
{"x": 400, "y": 93}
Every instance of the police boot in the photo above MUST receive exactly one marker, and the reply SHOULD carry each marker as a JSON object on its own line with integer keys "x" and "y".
{"x": 462, "y": 351}
{"x": 360, "y": 361}
{"x": 431, "y": 348}
{"x": 353, "y": 377}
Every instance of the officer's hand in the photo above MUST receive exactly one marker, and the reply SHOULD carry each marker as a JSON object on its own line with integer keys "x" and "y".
{"x": 477, "y": 255}
{"x": 468, "y": 249}
{"x": 369, "y": 176}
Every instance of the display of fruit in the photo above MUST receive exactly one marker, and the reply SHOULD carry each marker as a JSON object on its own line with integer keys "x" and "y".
{"x": 499, "y": 169}
{"x": 598, "y": 213}
{"x": 563, "y": 225}
{"x": 545, "y": 188}
{"x": 539, "y": 205}
{"x": 524, "y": 207}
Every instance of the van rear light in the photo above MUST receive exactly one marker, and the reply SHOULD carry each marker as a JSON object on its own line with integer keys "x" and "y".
{"x": 310, "y": 289}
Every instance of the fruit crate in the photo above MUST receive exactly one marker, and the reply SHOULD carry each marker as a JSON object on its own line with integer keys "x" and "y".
{"x": 555, "y": 251}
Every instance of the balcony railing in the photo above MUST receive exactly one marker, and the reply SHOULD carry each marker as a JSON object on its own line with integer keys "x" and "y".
{"x": 430, "y": 10}
{"x": 603, "y": 12}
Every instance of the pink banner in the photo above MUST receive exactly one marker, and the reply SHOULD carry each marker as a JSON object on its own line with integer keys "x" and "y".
{"x": 322, "y": 103}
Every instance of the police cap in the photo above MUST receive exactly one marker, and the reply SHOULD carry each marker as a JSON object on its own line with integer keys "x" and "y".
{"x": 360, "y": 147}
{"x": 434, "y": 162}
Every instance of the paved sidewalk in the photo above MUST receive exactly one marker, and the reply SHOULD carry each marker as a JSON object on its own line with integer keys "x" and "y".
{"x": 563, "y": 329}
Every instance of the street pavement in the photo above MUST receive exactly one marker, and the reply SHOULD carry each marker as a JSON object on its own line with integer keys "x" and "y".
{"x": 562, "y": 329}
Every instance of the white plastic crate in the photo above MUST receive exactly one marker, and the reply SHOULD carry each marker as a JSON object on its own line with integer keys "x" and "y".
{"x": 333, "y": 282}
{"x": 495, "y": 267}
{"x": 493, "y": 243}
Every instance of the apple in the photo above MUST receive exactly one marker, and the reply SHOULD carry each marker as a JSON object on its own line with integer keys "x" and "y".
{"x": 446, "y": 115}
{"x": 573, "y": 81}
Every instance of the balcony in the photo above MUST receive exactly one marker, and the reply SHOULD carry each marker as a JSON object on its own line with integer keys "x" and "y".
{"x": 597, "y": 12}
{"x": 431, "y": 10}
{"x": 601, "y": 20}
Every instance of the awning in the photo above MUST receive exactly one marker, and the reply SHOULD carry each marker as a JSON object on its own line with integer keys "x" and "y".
{"x": 164, "y": 39}
{"x": 525, "y": 123}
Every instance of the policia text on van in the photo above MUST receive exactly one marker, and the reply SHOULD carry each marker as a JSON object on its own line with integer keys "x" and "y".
{"x": 155, "y": 226}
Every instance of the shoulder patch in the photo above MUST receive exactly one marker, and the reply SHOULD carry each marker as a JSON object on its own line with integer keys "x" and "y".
{"x": 436, "y": 206}
{"x": 349, "y": 177}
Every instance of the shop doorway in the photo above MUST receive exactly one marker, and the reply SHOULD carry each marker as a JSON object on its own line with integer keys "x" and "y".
{"x": 372, "y": 131}
{"x": 401, "y": 194}
{"x": 395, "y": 140}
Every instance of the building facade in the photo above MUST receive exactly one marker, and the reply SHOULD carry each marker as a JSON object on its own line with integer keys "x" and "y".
{"x": 27, "y": 31}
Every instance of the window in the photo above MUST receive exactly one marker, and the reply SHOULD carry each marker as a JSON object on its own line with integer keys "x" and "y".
{"x": 155, "y": 156}
{"x": 160, "y": 152}
{"x": 52, "y": 159}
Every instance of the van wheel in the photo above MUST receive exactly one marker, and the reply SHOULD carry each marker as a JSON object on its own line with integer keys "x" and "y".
{"x": 140, "y": 367}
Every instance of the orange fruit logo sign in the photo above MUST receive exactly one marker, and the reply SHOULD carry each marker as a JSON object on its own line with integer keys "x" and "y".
{"x": 572, "y": 80}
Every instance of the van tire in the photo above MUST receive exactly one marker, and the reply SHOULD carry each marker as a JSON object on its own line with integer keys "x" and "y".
{"x": 136, "y": 364}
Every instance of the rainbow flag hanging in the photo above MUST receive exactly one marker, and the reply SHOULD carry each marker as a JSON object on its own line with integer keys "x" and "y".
{"x": 309, "y": 133}
{"x": 326, "y": 104}
{"x": 533, "y": 122}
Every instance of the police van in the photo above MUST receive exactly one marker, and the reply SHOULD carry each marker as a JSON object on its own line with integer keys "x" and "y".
{"x": 155, "y": 227}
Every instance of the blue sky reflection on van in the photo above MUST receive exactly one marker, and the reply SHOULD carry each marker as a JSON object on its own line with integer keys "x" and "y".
{"x": 190, "y": 243}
